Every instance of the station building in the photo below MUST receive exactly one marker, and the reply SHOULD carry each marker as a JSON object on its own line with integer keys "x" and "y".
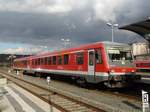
{"x": 140, "y": 49}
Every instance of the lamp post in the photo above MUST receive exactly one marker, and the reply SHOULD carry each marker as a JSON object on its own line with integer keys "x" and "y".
{"x": 112, "y": 29}
{"x": 65, "y": 42}
{"x": 11, "y": 57}
{"x": 49, "y": 95}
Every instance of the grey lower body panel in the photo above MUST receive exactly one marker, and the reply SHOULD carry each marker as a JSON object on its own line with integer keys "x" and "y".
{"x": 97, "y": 78}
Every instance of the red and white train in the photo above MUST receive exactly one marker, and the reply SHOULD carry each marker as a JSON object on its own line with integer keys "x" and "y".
{"x": 100, "y": 62}
{"x": 142, "y": 63}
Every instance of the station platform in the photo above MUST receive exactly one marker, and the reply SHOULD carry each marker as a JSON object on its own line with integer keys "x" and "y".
{"x": 15, "y": 99}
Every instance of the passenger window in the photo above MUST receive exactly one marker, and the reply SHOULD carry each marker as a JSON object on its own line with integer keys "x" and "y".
{"x": 49, "y": 60}
{"x": 80, "y": 58}
{"x": 32, "y": 62}
{"x": 42, "y": 61}
{"x": 98, "y": 56}
{"x": 54, "y": 60}
{"x": 45, "y": 60}
{"x": 24, "y": 63}
{"x": 38, "y": 61}
{"x": 59, "y": 60}
{"x": 66, "y": 59}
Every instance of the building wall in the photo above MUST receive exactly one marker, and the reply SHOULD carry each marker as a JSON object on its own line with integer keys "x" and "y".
{"x": 140, "y": 48}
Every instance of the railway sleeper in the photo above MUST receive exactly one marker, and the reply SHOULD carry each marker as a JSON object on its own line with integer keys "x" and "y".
{"x": 84, "y": 111}
{"x": 66, "y": 104}
{"x": 61, "y": 102}
{"x": 61, "y": 99}
{"x": 77, "y": 108}
{"x": 81, "y": 110}
{"x": 73, "y": 108}
{"x": 57, "y": 97}
{"x": 72, "y": 105}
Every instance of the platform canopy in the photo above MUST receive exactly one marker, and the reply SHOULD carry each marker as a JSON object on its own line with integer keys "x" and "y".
{"x": 142, "y": 28}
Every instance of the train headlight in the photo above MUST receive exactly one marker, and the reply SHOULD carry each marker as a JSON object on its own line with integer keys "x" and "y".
{"x": 112, "y": 71}
{"x": 133, "y": 70}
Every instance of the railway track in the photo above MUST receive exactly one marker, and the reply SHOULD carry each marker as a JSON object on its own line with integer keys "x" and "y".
{"x": 60, "y": 101}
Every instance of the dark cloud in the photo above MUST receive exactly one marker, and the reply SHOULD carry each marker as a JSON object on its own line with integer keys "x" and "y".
{"x": 82, "y": 25}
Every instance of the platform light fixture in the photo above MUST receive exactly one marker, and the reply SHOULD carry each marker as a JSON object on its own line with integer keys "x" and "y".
{"x": 44, "y": 47}
{"x": 112, "y": 29}
{"x": 65, "y": 42}
{"x": 49, "y": 95}
{"x": 11, "y": 58}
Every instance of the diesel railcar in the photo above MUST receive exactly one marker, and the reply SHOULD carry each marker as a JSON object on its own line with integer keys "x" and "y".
{"x": 142, "y": 63}
{"x": 109, "y": 63}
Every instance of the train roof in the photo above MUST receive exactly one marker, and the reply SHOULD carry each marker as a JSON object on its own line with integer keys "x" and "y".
{"x": 78, "y": 49}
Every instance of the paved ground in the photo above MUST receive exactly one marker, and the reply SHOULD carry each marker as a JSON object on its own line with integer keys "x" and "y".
{"x": 19, "y": 100}
{"x": 112, "y": 103}
{"x": 108, "y": 102}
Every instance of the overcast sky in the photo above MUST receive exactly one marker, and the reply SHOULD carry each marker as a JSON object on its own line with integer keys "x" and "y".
{"x": 29, "y": 25}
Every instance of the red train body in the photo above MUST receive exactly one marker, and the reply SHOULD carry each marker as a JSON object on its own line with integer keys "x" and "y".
{"x": 142, "y": 63}
{"x": 101, "y": 62}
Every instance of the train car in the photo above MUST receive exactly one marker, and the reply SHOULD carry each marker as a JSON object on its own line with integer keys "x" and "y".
{"x": 101, "y": 62}
{"x": 142, "y": 63}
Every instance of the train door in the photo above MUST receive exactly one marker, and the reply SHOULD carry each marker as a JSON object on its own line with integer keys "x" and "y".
{"x": 28, "y": 64}
{"x": 91, "y": 62}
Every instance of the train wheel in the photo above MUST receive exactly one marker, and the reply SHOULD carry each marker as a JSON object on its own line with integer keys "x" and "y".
{"x": 81, "y": 82}
{"x": 37, "y": 74}
{"x": 24, "y": 72}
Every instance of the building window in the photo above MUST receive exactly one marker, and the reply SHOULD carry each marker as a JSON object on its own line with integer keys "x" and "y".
{"x": 98, "y": 56}
{"x": 66, "y": 59}
{"x": 59, "y": 60}
{"x": 54, "y": 60}
{"x": 80, "y": 58}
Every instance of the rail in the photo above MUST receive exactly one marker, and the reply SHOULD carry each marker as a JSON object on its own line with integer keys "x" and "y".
{"x": 58, "y": 100}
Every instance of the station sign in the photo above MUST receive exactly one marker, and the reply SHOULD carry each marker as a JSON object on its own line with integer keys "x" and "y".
{"x": 145, "y": 100}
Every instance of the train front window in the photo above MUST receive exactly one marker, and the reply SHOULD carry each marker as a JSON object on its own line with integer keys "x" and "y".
{"x": 118, "y": 54}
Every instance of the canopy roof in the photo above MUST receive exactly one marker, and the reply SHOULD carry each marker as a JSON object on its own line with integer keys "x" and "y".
{"x": 142, "y": 28}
